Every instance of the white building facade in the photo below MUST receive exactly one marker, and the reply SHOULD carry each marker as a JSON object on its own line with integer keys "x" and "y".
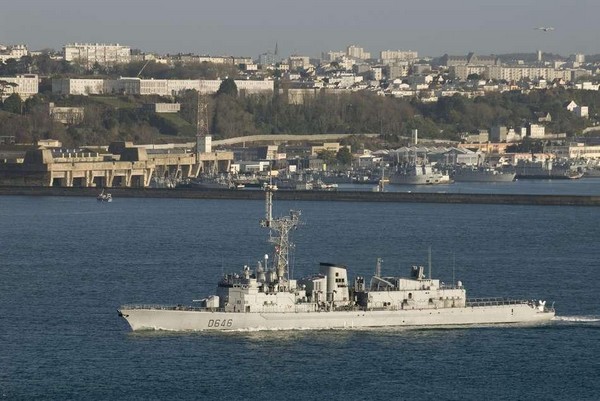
{"x": 390, "y": 56}
{"x": 25, "y": 86}
{"x": 12, "y": 52}
{"x": 161, "y": 87}
{"x": 90, "y": 53}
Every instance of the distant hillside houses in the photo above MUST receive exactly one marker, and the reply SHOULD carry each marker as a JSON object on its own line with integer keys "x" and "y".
{"x": 579, "y": 111}
{"x": 161, "y": 87}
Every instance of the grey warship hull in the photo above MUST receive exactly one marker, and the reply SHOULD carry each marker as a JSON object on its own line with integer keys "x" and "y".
{"x": 483, "y": 176}
{"x": 197, "y": 320}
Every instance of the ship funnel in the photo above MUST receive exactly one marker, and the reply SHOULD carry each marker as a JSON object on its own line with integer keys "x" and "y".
{"x": 378, "y": 267}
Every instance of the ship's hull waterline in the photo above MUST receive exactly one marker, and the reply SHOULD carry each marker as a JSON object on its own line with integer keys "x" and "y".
{"x": 194, "y": 320}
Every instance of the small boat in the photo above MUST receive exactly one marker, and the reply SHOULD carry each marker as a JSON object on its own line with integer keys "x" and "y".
{"x": 104, "y": 197}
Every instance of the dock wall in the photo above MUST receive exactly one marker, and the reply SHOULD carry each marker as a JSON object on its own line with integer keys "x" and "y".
{"x": 338, "y": 196}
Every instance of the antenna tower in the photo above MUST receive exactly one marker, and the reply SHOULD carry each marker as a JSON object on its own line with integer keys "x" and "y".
{"x": 279, "y": 234}
{"x": 201, "y": 123}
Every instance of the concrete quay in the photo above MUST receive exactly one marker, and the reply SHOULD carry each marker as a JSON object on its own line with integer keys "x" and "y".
{"x": 337, "y": 196}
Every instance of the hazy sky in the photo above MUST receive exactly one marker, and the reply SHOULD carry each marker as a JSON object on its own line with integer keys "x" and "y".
{"x": 307, "y": 27}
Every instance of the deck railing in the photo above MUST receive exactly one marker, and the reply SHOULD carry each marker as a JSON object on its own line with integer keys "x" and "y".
{"x": 496, "y": 301}
{"x": 168, "y": 307}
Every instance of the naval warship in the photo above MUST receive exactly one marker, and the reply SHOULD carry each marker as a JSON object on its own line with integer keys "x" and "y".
{"x": 267, "y": 298}
{"x": 418, "y": 174}
{"x": 482, "y": 174}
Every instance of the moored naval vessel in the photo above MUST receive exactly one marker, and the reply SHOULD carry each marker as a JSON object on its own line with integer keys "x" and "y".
{"x": 267, "y": 298}
{"x": 546, "y": 169}
{"x": 410, "y": 173}
{"x": 482, "y": 174}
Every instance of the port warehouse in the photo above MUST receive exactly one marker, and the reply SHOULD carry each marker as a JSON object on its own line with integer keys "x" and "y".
{"x": 121, "y": 165}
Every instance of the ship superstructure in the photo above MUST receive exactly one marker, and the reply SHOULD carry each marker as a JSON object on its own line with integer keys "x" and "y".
{"x": 266, "y": 297}
{"x": 423, "y": 173}
{"x": 546, "y": 169}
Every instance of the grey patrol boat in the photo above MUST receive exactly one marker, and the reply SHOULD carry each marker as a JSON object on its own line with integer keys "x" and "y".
{"x": 266, "y": 298}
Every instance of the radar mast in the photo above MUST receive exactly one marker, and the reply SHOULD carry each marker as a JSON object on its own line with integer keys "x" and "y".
{"x": 279, "y": 230}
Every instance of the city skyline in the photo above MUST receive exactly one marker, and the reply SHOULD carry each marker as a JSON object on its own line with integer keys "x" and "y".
{"x": 308, "y": 28}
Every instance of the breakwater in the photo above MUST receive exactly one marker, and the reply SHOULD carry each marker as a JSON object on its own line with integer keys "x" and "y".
{"x": 345, "y": 196}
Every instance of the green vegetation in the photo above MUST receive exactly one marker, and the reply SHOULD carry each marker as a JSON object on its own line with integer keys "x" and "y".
{"x": 109, "y": 118}
{"x": 114, "y": 102}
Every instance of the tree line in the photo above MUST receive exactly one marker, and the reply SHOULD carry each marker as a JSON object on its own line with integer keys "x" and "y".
{"x": 232, "y": 114}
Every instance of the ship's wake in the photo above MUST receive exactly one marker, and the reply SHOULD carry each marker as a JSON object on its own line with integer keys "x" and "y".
{"x": 577, "y": 319}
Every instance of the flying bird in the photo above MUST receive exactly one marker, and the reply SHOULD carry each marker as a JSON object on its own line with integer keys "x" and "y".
{"x": 545, "y": 28}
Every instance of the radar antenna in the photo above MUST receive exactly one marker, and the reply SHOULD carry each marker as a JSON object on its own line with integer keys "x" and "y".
{"x": 280, "y": 228}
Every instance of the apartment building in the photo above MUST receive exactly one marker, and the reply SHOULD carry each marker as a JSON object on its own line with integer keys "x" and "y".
{"x": 161, "y": 87}
{"x": 90, "y": 53}
{"x": 298, "y": 62}
{"x": 510, "y": 74}
{"x": 536, "y": 131}
{"x": 518, "y": 73}
{"x": 12, "y": 52}
{"x": 391, "y": 56}
{"x": 66, "y": 115}
{"x": 74, "y": 86}
{"x": 25, "y": 86}
{"x": 357, "y": 52}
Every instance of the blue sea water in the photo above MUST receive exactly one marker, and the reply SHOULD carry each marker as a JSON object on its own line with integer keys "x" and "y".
{"x": 66, "y": 264}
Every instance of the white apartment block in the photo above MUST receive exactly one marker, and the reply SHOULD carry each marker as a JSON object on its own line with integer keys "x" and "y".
{"x": 536, "y": 131}
{"x": 377, "y": 73}
{"x": 575, "y": 150}
{"x": 511, "y": 74}
{"x": 163, "y": 107}
{"x": 332, "y": 56}
{"x": 298, "y": 62}
{"x": 357, "y": 52}
{"x": 66, "y": 115}
{"x": 24, "y": 85}
{"x": 12, "y": 52}
{"x": 518, "y": 73}
{"x": 90, "y": 53}
{"x": 462, "y": 72}
{"x": 390, "y": 56}
{"x": 581, "y": 111}
{"x": 72, "y": 86}
{"x": 161, "y": 87}
{"x": 251, "y": 87}
{"x": 397, "y": 70}
{"x": 587, "y": 86}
